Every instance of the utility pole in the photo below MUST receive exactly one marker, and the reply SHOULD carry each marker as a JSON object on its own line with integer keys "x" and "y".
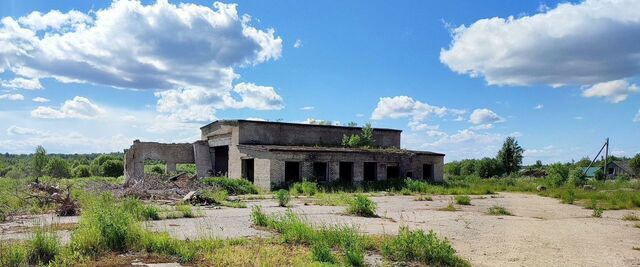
{"x": 606, "y": 151}
{"x": 606, "y": 158}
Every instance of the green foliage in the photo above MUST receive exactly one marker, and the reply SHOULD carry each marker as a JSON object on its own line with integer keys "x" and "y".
{"x": 306, "y": 188}
{"x": 14, "y": 255}
{"x": 186, "y": 210}
{"x": 422, "y": 247}
{"x": 577, "y": 177}
{"x": 157, "y": 169}
{"x": 597, "y": 212}
{"x": 39, "y": 161}
{"x": 634, "y": 164}
{"x": 424, "y": 198}
{"x": 112, "y": 168}
{"x": 58, "y": 168}
{"x": 81, "y": 171}
{"x": 186, "y": 168}
{"x": 498, "y": 211}
{"x": 233, "y": 186}
{"x": 361, "y": 205}
{"x": 98, "y": 169}
{"x": 363, "y": 140}
{"x": 557, "y": 174}
{"x": 569, "y": 197}
{"x": 463, "y": 200}
{"x": 449, "y": 207}
{"x": 488, "y": 167}
{"x": 283, "y": 197}
{"x": 510, "y": 156}
{"x": 44, "y": 247}
{"x": 453, "y": 168}
{"x": 599, "y": 175}
{"x": 468, "y": 167}
{"x": 322, "y": 253}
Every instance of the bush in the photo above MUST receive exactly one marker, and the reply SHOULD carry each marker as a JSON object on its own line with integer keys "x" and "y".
{"x": 157, "y": 169}
{"x": 306, "y": 188}
{"x": 569, "y": 197}
{"x": 463, "y": 200}
{"x": 488, "y": 167}
{"x": 57, "y": 167}
{"x": 322, "y": 252}
{"x": 361, "y": 205}
{"x": 81, "y": 171}
{"x": 498, "y": 210}
{"x": 44, "y": 247}
{"x": 14, "y": 255}
{"x": 233, "y": 186}
{"x": 283, "y": 197}
{"x": 453, "y": 168}
{"x": 424, "y": 248}
{"x": 577, "y": 177}
{"x": 557, "y": 174}
{"x": 96, "y": 164}
{"x": 112, "y": 168}
{"x": 449, "y": 207}
{"x": 186, "y": 210}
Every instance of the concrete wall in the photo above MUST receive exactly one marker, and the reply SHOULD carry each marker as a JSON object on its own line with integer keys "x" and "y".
{"x": 140, "y": 151}
{"x": 273, "y": 133}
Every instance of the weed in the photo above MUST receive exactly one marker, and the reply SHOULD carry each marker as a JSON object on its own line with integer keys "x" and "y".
{"x": 498, "y": 211}
{"x": 44, "y": 247}
{"x": 233, "y": 186}
{"x": 14, "y": 255}
{"x": 283, "y": 197}
{"x": 569, "y": 197}
{"x": 322, "y": 252}
{"x": 361, "y": 205}
{"x": 186, "y": 210}
{"x": 423, "y": 247}
{"x": 306, "y": 188}
{"x": 463, "y": 200}
{"x": 335, "y": 199}
{"x": 449, "y": 207}
{"x": 597, "y": 212}
{"x": 631, "y": 217}
{"x": 354, "y": 254}
{"x": 424, "y": 198}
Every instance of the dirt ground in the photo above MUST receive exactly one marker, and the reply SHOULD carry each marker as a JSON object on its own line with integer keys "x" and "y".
{"x": 542, "y": 231}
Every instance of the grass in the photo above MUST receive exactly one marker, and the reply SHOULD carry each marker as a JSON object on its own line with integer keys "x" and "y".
{"x": 331, "y": 199}
{"x": 232, "y": 186}
{"x": 219, "y": 197}
{"x": 283, "y": 197}
{"x": 597, "y": 212}
{"x": 449, "y": 207}
{"x": 306, "y": 188}
{"x": 463, "y": 200}
{"x": 631, "y": 217}
{"x": 361, "y": 205}
{"x": 423, "y": 198}
{"x": 498, "y": 211}
{"x": 421, "y": 247}
{"x": 44, "y": 247}
{"x": 637, "y": 225}
{"x": 14, "y": 255}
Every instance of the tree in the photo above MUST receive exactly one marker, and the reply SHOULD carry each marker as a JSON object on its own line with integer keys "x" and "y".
{"x": 453, "y": 168}
{"x": 81, "y": 171}
{"x": 538, "y": 164}
{"x": 57, "y": 167}
{"x": 488, "y": 167}
{"x": 468, "y": 167}
{"x": 634, "y": 164}
{"x": 510, "y": 156}
{"x": 362, "y": 140}
{"x": 39, "y": 161}
{"x": 112, "y": 168}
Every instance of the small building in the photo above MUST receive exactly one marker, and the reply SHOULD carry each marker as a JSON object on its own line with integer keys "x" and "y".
{"x": 614, "y": 169}
{"x": 273, "y": 154}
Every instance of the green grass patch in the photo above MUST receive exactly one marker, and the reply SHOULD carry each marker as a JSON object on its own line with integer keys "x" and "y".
{"x": 449, "y": 207}
{"x": 306, "y": 188}
{"x": 283, "y": 197}
{"x": 418, "y": 246}
{"x": 463, "y": 200}
{"x": 232, "y": 186}
{"x": 423, "y": 198}
{"x": 498, "y": 211}
{"x": 361, "y": 205}
{"x": 631, "y": 217}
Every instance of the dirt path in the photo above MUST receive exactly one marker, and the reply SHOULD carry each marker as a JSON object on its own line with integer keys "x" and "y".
{"x": 542, "y": 231}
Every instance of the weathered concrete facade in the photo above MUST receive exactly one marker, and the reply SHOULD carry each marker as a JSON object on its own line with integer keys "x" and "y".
{"x": 272, "y": 154}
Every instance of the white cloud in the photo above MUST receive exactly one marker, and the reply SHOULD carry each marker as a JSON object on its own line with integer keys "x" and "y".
{"x": 297, "y": 44}
{"x": 406, "y": 107}
{"x": 418, "y": 126}
{"x": 12, "y": 97}
{"x": 320, "y": 122}
{"x": 465, "y": 136}
{"x": 22, "y": 83}
{"x": 78, "y": 107}
{"x": 307, "y": 108}
{"x": 40, "y": 100}
{"x": 637, "y": 117}
{"x": 482, "y": 127}
{"x": 16, "y": 130}
{"x": 186, "y": 51}
{"x": 578, "y": 118}
{"x": 613, "y": 91}
{"x": 255, "y": 119}
{"x": 539, "y": 106}
{"x": 573, "y": 44}
{"x": 484, "y": 116}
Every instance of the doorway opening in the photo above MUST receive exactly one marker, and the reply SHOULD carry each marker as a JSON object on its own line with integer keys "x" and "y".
{"x": 427, "y": 172}
{"x": 393, "y": 172}
{"x": 320, "y": 171}
{"x": 370, "y": 171}
{"x": 346, "y": 172}
{"x": 248, "y": 169}
{"x": 221, "y": 162}
{"x": 291, "y": 171}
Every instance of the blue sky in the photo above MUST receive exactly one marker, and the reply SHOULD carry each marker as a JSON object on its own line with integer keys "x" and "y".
{"x": 456, "y": 76}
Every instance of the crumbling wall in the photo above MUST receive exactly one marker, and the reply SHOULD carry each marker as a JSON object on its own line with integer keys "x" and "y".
{"x": 172, "y": 154}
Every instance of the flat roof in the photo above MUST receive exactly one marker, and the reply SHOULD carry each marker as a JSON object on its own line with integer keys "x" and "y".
{"x": 336, "y": 149}
{"x": 297, "y": 124}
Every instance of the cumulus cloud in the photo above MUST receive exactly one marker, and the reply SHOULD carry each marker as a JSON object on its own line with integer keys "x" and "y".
{"x": 482, "y": 127}
{"x": 12, "y": 97}
{"x": 78, "y": 107}
{"x": 406, "y": 107}
{"x": 613, "y": 91}
{"x": 539, "y": 106}
{"x": 484, "y": 116}
{"x": 16, "y": 130}
{"x": 40, "y": 100}
{"x": 187, "y": 51}
{"x": 297, "y": 44}
{"x": 586, "y": 43}
{"x": 464, "y": 136}
{"x": 22, "y": 83}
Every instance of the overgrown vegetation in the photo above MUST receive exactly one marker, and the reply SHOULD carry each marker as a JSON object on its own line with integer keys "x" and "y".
{"x": 498, "y": 211}
{"x": 232, "y": 186}
{"x": 421, "y": 247}
{"x": 463, "y": 200}
{"x": 361, "y": 205}
{"x": 363, "y": 140}
{"x": 283, "y": 197}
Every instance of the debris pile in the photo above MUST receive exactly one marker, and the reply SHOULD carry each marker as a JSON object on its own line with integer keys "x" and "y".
{"x": 48, "y": 194}
{"x": 161, "y": 187}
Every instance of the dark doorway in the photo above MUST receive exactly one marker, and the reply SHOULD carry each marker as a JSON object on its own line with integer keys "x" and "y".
{"x": 427, "y": 172}
{"x": 221, "y": 163}
{"x": 291, "y": 171}
{"x": 247, "y": 169}
{"x": 409, "y": 175}
{"x": 346, "y": 172}
{"x": 370, "y": 171}
{"x": 320, "y": 171}
{"x": 393, "y": 172}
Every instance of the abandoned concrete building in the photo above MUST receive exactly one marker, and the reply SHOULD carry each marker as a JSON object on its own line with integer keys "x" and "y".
{"x": 272, "y": 154}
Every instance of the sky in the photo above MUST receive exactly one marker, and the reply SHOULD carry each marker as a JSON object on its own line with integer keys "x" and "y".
{"x": 457, "y": 77}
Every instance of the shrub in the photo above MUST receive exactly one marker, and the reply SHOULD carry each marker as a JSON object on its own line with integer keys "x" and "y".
{"x": 463, "y": 200}
{"x": 81, "y": 171}
{"x": 44, "y": 247}
{"x": 186, "y": 210}
{"x": 233, "y": 186}
{"x": 96, "y": 164}
{"x": 488, "y": 167}
{"x": 569, "y": 197}
{"x": 422, "y": 247}
{"x": 283, "y": 197}
{"x": 597, "y": 212}
{"x": 354, "y": 254}
{"x": 577, "y": 177}
{"x": 157, "y": 169}
{"x": 306, "y": 188}
{"x": 322, "y": 252}
{"x": 498, "y": 211}
{"x": 449, "y": 207}
{"x": 557, "y": 174}
{"x": 361, "y": 205}
{"x": 57, "y": 167}
{"x": 14, "y": 255}
{"x": 453, "y": 168}
{"x": 416, "y": 186}
{"x": 258, "y": 217}
{"x": 424, "y": 198}
{"x": 112, "y": 168}
{"x": 363, "y": 140}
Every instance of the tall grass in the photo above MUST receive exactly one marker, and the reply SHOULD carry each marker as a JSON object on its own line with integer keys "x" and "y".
{"x": 14, "y": 255}
{"x": 463, "y": 200}
{"x": 233, "y": 186}
{"x": 306, "y": 188}
{"x": 283, "y": 197}
{"x": 422, "y": 247}
{"x": 361, "y": 205}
